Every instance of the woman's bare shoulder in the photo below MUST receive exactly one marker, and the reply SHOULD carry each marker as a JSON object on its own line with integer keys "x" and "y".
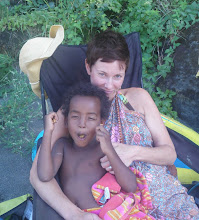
{"x": 138, "y": 98}
{"x": 135, "y": 92}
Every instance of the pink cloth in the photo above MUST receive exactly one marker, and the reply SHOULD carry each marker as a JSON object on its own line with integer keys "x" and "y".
{"x": 122, "y": 205}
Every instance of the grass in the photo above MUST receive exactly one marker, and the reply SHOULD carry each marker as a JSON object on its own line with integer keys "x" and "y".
{"x": 19, "y": 112}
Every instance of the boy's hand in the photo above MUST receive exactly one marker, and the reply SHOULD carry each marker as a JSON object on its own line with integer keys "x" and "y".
{"x": 50, "y": 120}
{"x": 103, "y": 137}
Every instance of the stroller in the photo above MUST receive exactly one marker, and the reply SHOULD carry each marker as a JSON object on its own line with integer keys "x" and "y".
{"x": 56, "y": 67}
{"x": 60, "y": 66}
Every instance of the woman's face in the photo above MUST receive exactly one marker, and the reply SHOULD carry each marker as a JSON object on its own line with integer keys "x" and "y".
{"x": 107, "y": 76}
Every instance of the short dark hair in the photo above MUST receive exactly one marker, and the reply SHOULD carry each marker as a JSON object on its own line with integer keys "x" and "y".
{"x": 108, "y": 45}
{"x": 86, "y": 89}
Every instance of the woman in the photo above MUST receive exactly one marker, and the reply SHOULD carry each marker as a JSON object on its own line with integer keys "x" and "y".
{"x": 135, "y": 125}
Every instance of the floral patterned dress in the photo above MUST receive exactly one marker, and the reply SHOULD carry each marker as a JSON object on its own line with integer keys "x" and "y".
{"x": 169, "y": 198}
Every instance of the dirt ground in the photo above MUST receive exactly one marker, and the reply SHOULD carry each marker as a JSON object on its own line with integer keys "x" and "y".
{"x": 15, "y": 169}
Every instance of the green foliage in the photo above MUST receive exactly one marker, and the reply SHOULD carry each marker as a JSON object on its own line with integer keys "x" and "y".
{"x": 4, "y": 8}
{"x": 80, "y": 18}
{"x": 17, "y": 111}
{"x": 6, "y": 63}
{"x": 159, "y": 23}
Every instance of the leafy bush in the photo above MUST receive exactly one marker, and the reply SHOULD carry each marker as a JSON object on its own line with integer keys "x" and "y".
{"x": 4, "y": 8}
{"x": 158, "y": 22}
{"x": 6, "y": 63}
{"x": 18, "y": 110}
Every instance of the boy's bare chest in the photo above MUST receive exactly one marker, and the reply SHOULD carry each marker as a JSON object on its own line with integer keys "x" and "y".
{"x": 79, "y": 171}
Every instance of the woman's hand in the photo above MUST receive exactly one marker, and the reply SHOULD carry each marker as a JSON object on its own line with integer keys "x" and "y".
{"x": 124, "y": 151}
{"x": 106, "y": 164}
{"x": 85, "y": 216}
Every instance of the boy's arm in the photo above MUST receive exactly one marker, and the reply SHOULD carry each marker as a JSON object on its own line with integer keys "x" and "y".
{"x": 124, "y": 176}
{"x": 48, "y": 165}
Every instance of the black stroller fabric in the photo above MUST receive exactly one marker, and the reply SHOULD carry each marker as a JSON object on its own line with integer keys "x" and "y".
{"x": 187, "y": 151}
{"x": 67, "y": 66}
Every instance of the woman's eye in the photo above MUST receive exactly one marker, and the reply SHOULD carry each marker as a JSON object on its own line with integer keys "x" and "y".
{"x": 101, "y": 74}
{"x": 118, "y": 76}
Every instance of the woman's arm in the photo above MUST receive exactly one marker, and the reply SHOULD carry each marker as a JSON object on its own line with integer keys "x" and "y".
{"x": 123, "y": 174}
{"x": 160, "y": 155}
{"x": 163, "y": 152}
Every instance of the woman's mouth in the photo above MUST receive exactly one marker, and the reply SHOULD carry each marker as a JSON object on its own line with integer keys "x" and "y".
{"x": 108, "y": 91}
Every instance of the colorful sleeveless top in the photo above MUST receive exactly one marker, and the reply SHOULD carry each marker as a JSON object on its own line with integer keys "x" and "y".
{"x": 169, "y": 197}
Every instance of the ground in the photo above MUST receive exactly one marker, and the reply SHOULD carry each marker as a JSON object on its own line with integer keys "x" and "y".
{"x": 14, "y": 172}
{"x": 15, "y": 169}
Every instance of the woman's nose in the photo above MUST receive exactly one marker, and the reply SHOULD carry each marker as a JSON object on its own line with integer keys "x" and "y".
{"x": 109, "y": 83}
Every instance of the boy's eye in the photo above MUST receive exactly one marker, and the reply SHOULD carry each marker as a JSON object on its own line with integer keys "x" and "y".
{"x": 74, "y": 116}
{"x": 91, "y": 119}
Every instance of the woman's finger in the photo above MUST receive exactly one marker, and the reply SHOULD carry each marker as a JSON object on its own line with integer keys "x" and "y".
{"x": 105, "y": 165}
{"x": 104, "y": 159}
{"x": 109, "y": 168}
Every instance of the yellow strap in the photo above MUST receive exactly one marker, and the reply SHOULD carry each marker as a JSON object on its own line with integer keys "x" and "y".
{"x": 12, "y": 203}
{"x": 181, "y": 129}
{"x": 187, "y": 176}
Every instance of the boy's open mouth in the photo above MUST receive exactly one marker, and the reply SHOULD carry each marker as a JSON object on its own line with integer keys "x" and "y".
{"x": 81, "y": 136}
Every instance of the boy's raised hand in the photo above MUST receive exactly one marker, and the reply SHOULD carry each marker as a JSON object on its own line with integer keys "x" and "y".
{"x": 50, "y": 120}
{"x": 103, "y": 137}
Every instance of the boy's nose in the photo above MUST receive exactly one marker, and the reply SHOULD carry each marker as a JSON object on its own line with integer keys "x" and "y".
{"x": 82, "y": 123}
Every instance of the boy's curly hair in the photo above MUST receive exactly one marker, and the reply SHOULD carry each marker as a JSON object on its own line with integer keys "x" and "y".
{"x": 86, "y": 89}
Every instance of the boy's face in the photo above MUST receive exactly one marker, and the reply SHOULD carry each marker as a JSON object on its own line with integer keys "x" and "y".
{"x": 83, "y": 118}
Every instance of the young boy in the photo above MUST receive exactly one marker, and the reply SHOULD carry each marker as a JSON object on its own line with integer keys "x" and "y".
{"x": 77, "y": 158}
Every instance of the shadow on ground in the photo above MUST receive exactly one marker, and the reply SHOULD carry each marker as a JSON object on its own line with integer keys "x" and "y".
{"x": 14, "y": 171}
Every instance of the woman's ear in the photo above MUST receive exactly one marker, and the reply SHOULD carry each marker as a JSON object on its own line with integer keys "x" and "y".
{"x": 88, "y": 69}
